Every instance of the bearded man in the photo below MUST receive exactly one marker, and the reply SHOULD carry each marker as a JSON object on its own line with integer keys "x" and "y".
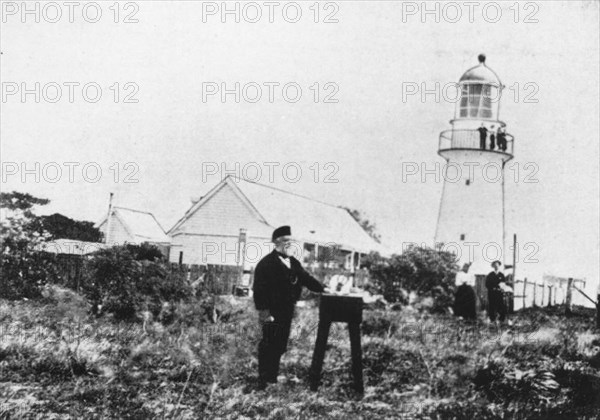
{"x": 278, "y": 282}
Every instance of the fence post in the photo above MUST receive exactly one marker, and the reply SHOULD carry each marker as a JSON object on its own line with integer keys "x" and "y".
{"x": 241, "y": 262}
{"x": 598, "y": 310}
{"x": 549, "y": 295}
{"x": 569, "y": 296}
{"x": 543, "y": 293}
{"x": 524, "y": 293}
{"x": 535, "y": 286}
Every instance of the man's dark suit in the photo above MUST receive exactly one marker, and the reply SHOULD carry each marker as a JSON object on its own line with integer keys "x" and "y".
{"x": 482, "y": 137}
{"x": 277, "y": 288}
{"x": 496, "y": 304}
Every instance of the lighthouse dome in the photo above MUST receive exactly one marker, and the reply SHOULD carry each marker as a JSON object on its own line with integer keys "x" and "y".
{"x": 481, "y": 74}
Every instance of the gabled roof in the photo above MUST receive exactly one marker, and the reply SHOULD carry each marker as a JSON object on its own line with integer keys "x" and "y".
{"x": 142, "y": 225}
{"x": 311, "y": 220}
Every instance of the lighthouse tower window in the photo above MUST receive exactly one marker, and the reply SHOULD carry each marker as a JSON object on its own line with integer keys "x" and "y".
{"x": 462, "y": 237}
{"x": 476, "y": 101}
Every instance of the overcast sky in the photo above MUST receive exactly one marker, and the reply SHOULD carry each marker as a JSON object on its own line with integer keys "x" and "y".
{"x": 373, "y": 52}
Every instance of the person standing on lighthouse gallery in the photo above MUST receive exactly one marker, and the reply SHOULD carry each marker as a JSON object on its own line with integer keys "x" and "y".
{"x": 278, "y": 282}
{"x": 482, "y": 136}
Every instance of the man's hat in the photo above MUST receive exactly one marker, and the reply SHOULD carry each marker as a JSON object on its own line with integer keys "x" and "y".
{"x": 281, "y": 231}
{"x": 496, "y": 262}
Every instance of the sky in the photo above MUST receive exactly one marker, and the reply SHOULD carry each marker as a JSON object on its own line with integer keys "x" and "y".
{"x": 164, "y": 139}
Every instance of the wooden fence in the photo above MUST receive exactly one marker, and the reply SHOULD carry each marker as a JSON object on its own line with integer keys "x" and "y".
{"x": 213, "y": 279}
{"x": 70, "y": 271}
{"x": 528, "y": 294}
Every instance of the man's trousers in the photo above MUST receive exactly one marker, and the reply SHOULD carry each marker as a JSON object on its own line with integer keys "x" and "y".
{"x": 271, "y": 347}
{"x": 496, "y": 305}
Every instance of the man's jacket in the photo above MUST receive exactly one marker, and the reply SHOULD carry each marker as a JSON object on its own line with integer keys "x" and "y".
{"x": 277, "y": 288}
{"x": 493, "y": 280}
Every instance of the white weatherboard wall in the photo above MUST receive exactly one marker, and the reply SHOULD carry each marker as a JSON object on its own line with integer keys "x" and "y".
{"x": 210, "y": 235}
{"x": 218, "y": 250}
{"x": 118, "y": 233}
{"x": 224, "y": 214}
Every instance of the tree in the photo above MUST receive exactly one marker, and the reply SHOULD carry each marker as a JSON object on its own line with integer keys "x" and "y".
{"x": 21, "y": 201}
{"x": 427, "y": 272}
{"x": 367, "y": 226}
{"x": 24, "y": 269}
{"x": 63, "y": 227}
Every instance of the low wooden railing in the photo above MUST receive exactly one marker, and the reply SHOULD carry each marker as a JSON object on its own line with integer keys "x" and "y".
{"x": 470, "y": 139}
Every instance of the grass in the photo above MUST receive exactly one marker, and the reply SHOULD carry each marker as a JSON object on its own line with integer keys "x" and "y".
{"x": 58, "y": 362}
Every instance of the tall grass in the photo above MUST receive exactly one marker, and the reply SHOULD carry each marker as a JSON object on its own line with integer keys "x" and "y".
{"x": 56, "y": 360}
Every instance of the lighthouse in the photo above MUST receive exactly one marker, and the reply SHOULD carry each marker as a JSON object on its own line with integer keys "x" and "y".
{"x": 476, "y": 148}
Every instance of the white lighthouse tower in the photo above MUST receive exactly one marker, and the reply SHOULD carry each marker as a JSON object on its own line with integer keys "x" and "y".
{"x": 471, "y": 217}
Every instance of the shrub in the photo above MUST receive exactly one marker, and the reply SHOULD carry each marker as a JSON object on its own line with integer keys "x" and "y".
{"x": 583, "y": 383}
{"x": 425, "y": 271}
{"x": 25, "y": 271}
{"x": 145, "y": 251}
{"x": 502, "y": 383}
{"x": 123, "y": 286}
{"x": 377, "y": 324}
{"x": 158, "y": 285}
{"x": 64, "y": 304}
{"x": 389, "y": 367}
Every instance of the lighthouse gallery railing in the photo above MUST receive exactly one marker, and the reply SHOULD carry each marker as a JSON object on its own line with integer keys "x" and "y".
{"x": 470, "y": 139}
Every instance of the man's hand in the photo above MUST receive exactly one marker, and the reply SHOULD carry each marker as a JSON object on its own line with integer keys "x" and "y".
{"x": 265, "y": 316}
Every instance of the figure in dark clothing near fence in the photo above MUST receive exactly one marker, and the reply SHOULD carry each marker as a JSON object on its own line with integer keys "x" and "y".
{"x": 465, "y": 299}
{"x": 278, "y": 282}
{"x": 496, "y": 305}
{"x": 482, "y": 136}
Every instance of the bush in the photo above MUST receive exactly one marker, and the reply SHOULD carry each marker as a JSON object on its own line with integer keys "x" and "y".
{"x": 583, "y": 383}
{"x": 145, "y": 251}
{"x": 24, "y": 270}
{"x": 64, "y": 304}
{"x": 125, "y": 287}
{"x": 427, "y": 272}
{"x": 391, "y": 368}
{"x": 502, "y": 383}
{"x": 377, "y": 324}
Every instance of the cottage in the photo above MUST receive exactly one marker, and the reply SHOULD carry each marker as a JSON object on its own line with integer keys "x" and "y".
{"x": 235, "y": 220}
{"x": 133, "y": 227}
